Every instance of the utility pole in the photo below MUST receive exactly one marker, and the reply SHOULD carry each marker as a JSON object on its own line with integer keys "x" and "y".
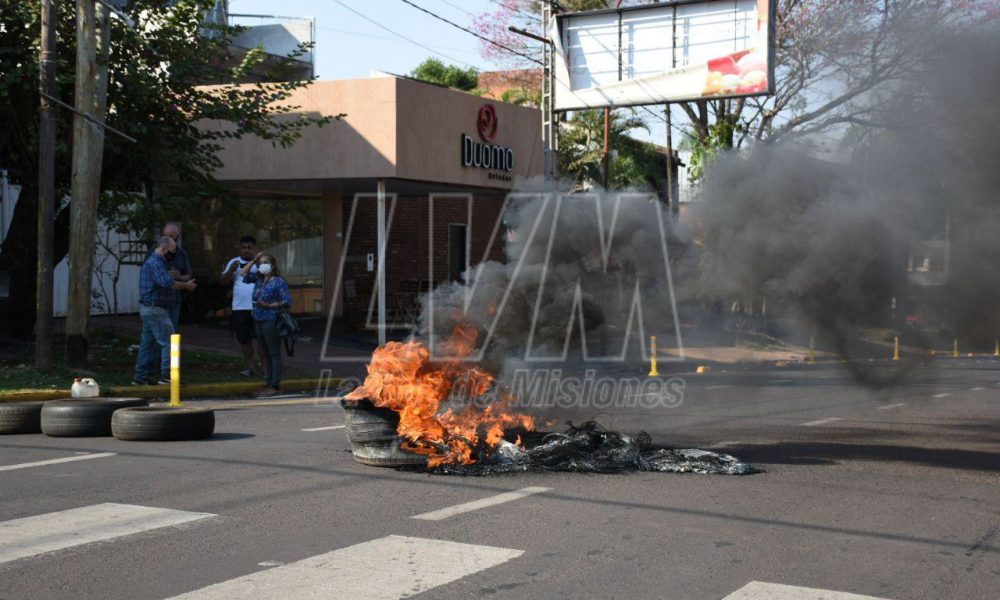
{"x": 46, "y": 187}
{"x": 550, "y": 128}
{"x": 672, "y": 200}
{"x": 607, "y": 148}
{"x": 92, "y": 33}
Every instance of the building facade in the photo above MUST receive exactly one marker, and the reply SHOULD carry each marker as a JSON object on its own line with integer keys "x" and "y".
{"x": 447, "y": 161}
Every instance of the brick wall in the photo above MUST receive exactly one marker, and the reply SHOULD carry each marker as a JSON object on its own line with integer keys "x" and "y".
{"x": 409, "y": 251}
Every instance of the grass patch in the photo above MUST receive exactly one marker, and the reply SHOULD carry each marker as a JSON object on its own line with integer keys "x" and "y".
{"x": 112, "y": 360}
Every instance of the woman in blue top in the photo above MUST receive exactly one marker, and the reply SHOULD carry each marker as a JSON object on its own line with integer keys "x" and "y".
{"x": 270, "y": 296}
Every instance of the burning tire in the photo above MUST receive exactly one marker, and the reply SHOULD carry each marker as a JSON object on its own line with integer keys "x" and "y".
{"x": 82, "y": 417}
{"x": 372, "y": 433}
{"x": 162, "y": 424}
{"x": 22, "y": 417}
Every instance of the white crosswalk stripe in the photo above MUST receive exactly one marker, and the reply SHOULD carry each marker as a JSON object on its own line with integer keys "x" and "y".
{"x": 758, "y": 590}
{"x": 30, "y": 536}
{"x": 388, "y": 568}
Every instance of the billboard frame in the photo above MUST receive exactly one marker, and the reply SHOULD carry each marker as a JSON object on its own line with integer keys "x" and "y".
{"x": 771, "y": 42}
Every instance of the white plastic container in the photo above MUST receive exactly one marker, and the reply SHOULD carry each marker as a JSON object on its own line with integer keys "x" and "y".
{"x": 85, "y": 388}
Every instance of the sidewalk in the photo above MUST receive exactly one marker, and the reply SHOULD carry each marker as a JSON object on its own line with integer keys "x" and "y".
{"x": 345, "y": 357}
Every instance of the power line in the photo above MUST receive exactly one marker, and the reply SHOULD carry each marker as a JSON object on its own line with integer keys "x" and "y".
{"x": 664, "y": 121}
{"x": 387, "y": 38}
{"x": 457, "y": 7}
{"x": 469, "y": 31}
{"x": 401, "y": 36}
{"x": 526, "y": 15}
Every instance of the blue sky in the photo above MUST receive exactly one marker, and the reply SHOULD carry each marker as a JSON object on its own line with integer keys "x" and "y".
{"x": 348, "y": 46}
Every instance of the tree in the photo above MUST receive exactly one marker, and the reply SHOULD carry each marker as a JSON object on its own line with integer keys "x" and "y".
{"x": 433, "y": 70}
{"x": 156, "y": 94}
{"x": 837, "y": 63}
{"x": 632, "y": 163}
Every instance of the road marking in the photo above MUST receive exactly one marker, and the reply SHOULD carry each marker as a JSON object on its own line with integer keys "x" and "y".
{"x": 820, "y": 422}
{"x": 325, "y": 428}
{"x": 942, "y": 395}
{"x": 977, "y": 389}
{"x": 758, "y": 590}
{"x": 53, "y": 531}
{"x": 384, "y": 569}
{"x": 458, "y": 509}
{"x": 892, "y": 406}
{"x": 56, "y": 461}
{"x": 717, "y": 387}
{"x": 784, "y": 381}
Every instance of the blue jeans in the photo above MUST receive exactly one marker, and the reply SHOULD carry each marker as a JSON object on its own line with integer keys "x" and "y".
{"x": 270, "y": 350}
{"x": 155, "y": 343}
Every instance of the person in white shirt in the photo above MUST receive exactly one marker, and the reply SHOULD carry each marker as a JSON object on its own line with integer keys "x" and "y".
{"x": 242, "y": 319}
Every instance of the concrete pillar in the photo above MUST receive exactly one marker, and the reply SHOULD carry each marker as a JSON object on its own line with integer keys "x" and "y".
{"x": 333, "y": 252}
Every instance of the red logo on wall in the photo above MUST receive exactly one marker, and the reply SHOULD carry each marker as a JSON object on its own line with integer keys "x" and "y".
{"x": 487, "y": 123}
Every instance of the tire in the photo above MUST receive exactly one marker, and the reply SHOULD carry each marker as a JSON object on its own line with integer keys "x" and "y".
{"x": 387, "y": 455}
{"x": 22, "y": 417}
{"x": 83, "y": 417}
{"x": 372, "y": 433}
{"x": 367, "y": 423}
{"x": 162, "y": 424}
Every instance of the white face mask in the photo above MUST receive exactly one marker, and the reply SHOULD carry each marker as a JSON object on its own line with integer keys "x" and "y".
{"x": 264, "y": 268}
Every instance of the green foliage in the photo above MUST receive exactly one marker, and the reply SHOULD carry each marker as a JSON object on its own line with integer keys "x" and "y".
{"x": 156, "y": 93}
{"x": 522, "y": 97}
{"x": 433, "y": 70}
{"x": 704, "y": 151}
{"x": 581, "y": 150}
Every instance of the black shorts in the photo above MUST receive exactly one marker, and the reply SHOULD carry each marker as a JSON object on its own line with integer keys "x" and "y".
{"x": 243, "y": 325}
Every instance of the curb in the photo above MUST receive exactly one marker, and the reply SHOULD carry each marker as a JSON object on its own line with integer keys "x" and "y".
{"x": 197, "y": 390}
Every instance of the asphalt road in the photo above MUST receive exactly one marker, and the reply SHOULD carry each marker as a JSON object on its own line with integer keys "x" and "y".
{"x": 891, "y": 493}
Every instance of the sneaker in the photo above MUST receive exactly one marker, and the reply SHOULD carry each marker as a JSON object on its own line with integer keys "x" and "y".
{"x": 247, "y": 372}
{"x": 266, "y": 392}
{"x": 162, "y": 381}
{"x": 138, "y": 382}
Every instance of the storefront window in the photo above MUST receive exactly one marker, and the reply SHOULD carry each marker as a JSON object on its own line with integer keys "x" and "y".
{"x": 290, "y": 229}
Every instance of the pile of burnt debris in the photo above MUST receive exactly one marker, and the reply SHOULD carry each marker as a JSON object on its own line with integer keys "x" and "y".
{"x": 584, "y": 448}
{"x": 590, "y": 448}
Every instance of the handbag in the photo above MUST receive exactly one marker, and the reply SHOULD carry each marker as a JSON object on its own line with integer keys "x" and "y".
{"x": 287, "y": 328}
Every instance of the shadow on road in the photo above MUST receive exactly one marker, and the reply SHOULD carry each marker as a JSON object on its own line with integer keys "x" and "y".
{"x": 799, "y": 453}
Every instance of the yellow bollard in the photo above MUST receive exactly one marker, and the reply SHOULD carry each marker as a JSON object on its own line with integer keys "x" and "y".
{"x": 653, "y": 372}
{"x": 895, "y": 348}
{"x": 812, "y": 351}
{"x": 996, "y": 348}
{"x": 175, "y": 369}
{"x": 954, "y": 348}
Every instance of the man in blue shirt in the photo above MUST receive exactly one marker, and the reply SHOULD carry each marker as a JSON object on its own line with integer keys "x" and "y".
{"x": 179, "y": 267}
{"x": 157, "y": 298}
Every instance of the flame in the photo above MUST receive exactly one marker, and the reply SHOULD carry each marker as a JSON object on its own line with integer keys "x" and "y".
{"x": 402, "y": 377}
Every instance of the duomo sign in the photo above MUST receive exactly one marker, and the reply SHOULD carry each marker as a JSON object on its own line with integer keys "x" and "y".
{"x": 485, "y": 154}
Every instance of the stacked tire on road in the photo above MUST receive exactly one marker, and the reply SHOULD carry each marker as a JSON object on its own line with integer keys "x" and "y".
{"x": 83, "y": 417}
{"x": 372, "y": 433}
{"x": 162, "y": 424}
{"x": 21, "y": 417}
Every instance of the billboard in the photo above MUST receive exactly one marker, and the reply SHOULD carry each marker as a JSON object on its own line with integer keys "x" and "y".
{"x": 663, "y": 52}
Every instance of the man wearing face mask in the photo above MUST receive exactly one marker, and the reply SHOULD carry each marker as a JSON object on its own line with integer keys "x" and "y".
{"x": 242, "y": 313}
{"x": 178, "y": 266}
{"x": 157, "y": 296}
